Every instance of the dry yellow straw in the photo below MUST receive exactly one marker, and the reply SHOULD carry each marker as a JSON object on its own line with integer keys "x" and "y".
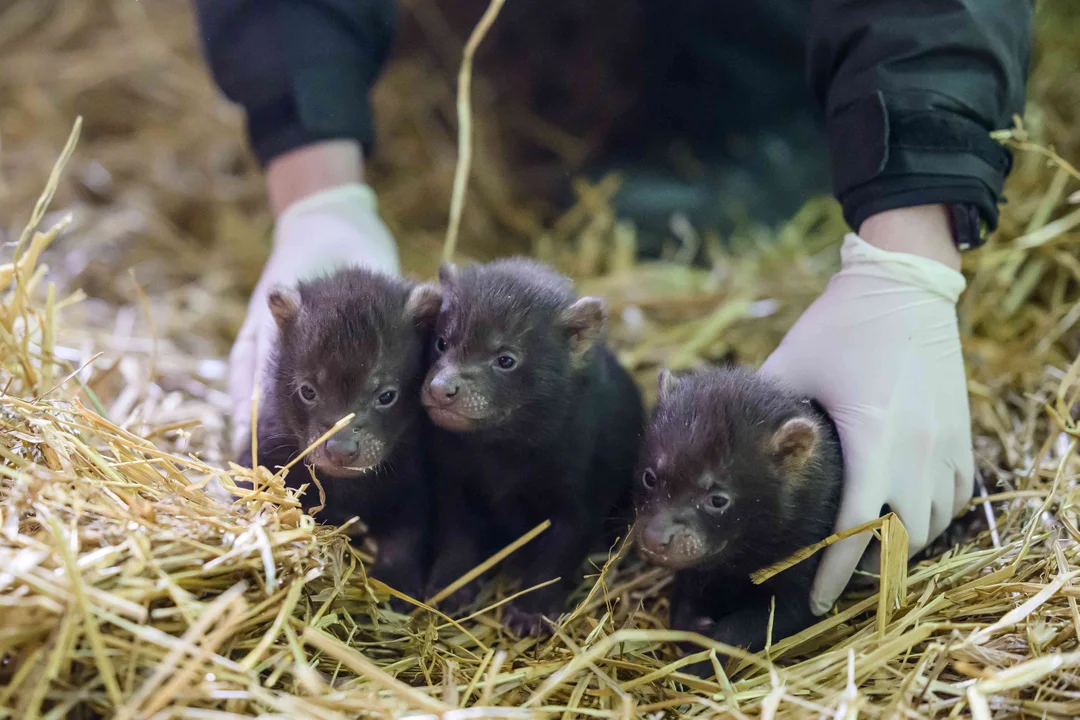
{"x": 760, "y": 576}
{"x": 488, "y": 564}
{"x": 989, "y": 627}
{"x": 464, "y": 114}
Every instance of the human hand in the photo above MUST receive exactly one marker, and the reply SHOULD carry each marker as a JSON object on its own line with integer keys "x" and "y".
{"x": 331, "y": 228}
{"x": 880, "y": 350}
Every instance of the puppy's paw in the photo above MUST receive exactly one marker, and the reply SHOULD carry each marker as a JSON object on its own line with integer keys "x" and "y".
{"x": 703, "y": 626}
{"x": 406, "y": 578}
{"x": 522, "y": 623}
{"x": 706, "y": 627}
{"x": 703, "y": 669}
{"x": 402, "y": 607}
{"x": 456, "y": 602}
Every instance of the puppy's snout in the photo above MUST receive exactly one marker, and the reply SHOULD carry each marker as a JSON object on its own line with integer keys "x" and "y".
{"x": 667, "y": 539}
{"x": 657, "y": 536}
{"x": 342, "y": 447}
{"x": 659, "y": 532}
{"x": 444, "y": 387}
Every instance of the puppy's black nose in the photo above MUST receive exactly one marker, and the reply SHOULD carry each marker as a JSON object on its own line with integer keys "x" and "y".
{"x": 444, "y": 387}
{"x": 658, "y": 533}
{"x": 342, "y": 447}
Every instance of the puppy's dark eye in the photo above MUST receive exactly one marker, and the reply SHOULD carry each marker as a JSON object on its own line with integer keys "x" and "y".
{"x": 648, "y": 480}
{"x": 717, "y": 502}
{"x": 387, "y": 398}
{"x": 506, "y": 362}
{"x": 307, "y": 393}
{"x": 440, "y": 344}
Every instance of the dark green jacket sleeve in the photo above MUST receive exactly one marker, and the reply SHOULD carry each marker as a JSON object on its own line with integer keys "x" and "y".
{"x": 910, "y": 90}
{"x": 301, "y": 69}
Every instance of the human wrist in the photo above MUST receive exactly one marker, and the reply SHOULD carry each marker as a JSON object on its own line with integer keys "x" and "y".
{"x": 922, "y": 230}
{"x": 305, "y": 171}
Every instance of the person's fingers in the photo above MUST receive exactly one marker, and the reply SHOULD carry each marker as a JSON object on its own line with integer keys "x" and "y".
{"x": 861, "y": 503}
{"x": 870, "y": 562}
{"x": 775, "y": 365}
{"x": 939, "y": 521}
{"x": 837, "y": 564}
{"x": 963, "y": 478}
{"x": 265, "y": 338}
{"x": 918, "y": 464}
{"x": 241, "y": 384}
{"x": 913, "y": 506}
{"x": 942, "y": 490}
{"x": 959, "y": 448}
{"x": 785, "y": 366}
{"x": 915, "y": 509}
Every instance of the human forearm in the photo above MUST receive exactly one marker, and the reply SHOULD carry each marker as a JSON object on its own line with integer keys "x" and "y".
{"x": 909, "y": 100}
{"x": 309, "y": 169}
{"x": 921, "y": 230}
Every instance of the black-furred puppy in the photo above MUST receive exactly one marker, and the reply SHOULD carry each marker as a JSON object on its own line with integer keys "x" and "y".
{"x": 535, "y": 420}
{"x": 736, "y": 474}
{"x": 353, "y": 342}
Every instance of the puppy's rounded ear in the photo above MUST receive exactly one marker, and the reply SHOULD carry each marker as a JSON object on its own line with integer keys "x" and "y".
{"x": 666, "y": 382}
{"x": 448, "y": 274}
{"x": 794, "y": 443}
{"x": 585, "y": 322}
{"x": 424, "y": 303}
{"x": 284, "y": 304}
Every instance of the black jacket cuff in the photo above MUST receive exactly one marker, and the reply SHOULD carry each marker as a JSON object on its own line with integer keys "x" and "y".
{"x": 328, "y": 102}
{"x": 885, "y": 159}
{"x": 301, "y": 69}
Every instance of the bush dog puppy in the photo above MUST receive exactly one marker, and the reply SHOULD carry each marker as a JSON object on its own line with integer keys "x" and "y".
{"x": 735, "y": 475}
{"x": 535, "y": 420}
{"x": 353, "y": 342}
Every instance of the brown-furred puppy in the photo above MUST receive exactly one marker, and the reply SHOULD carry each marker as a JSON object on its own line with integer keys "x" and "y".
{"x": 736, "y": 474}
{"x": 353, "y": 342}
{"x": 535, "y": 420}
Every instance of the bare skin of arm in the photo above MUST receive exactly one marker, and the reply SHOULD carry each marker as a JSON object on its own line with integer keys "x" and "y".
{"x": 922, "y": 230}
{"x": 312, "y": 168}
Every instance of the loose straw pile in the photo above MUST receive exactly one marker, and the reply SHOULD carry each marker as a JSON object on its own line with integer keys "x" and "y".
{"x": 128, "y": 590}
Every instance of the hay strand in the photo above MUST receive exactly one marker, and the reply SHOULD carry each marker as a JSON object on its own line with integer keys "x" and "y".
{"x": 464, "y": 115}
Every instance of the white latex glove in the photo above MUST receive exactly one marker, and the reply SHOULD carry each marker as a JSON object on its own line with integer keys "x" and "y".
{"x": 880, "y": 350}
{"x": 329, "y": 229}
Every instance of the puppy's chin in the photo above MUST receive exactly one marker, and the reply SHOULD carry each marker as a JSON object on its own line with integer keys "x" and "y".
{"x": 365, "y": 464}
{"x": 669, "y": 560}
{"x": 343, "y": 472}
{"x": 453, "y": 421}
{"x": 680, "y": 555}
{"x": 467, "y": 413}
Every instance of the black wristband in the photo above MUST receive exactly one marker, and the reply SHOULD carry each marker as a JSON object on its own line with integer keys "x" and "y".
{"x": 969, "y": 231}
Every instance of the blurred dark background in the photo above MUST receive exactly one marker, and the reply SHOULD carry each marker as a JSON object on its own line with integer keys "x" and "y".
{"x": 696, "y": 109}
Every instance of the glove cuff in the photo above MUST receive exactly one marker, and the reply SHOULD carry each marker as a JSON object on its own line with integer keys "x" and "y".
{"x": 860, "y": 257}
{"x": 350, "y": 195}
{"x": 338, "y": 224}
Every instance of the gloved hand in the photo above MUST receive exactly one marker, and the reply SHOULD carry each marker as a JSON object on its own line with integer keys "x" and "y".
{"x": 331, "y": 228}
{"x": 880, "y": 350}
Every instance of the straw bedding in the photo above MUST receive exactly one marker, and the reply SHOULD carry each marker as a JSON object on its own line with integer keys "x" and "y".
{"x": 127, "y": 590}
